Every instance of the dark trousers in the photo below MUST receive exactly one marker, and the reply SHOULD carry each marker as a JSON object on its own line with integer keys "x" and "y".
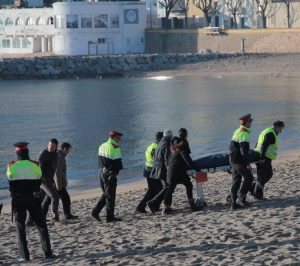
{"x": 65, "y": 199}
{"x": 171, "y": 187}
{"x": 154, "y": 186}
{"x": 21, "y": 204}
{"x": 239, "y": 188}
{"x": 264, "y": 171}
{"x": 108, "y": 183}
{"x": 51, "y": 197}
{"x": 158, "y": 198}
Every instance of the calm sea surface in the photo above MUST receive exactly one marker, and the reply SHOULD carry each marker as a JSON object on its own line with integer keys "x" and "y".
{"x": 83, "y": 111}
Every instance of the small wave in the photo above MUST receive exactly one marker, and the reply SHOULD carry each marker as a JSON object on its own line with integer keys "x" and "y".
{"x": 160, "y": 77}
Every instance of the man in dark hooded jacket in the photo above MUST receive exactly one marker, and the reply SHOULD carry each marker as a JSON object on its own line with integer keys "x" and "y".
{"x": 159, "y": 171}
{"x": 179, "y": 163}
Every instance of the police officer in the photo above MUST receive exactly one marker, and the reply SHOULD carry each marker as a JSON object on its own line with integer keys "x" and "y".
{"x": 24, "y": 179}
{"x": 154, "y": 185}
{"x": 266, "y": 146}
{"x": 238, "y": 156}
{"x": 110, "y": 163}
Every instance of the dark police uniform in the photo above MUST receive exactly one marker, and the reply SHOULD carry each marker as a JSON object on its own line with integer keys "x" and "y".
{"x": 110, "y": 163}
{"x": 239, "y": 149}
{"x": 24, "y": 179}
{"x": 266, "y": 146}
{"x": 154, "y": 185}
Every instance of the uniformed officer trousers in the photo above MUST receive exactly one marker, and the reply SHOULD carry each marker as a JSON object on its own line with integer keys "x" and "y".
{"x": 264, "y": 171}
{"x": 108, "y": 183}
{"x": 239, "y": 188}
{"x": 26, "y": 202}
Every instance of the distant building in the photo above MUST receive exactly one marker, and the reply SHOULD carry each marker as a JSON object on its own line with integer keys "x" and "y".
{"x": 75, "y": 28}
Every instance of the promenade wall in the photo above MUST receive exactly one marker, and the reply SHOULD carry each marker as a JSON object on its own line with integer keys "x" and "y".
{"x": 198, "y": 40}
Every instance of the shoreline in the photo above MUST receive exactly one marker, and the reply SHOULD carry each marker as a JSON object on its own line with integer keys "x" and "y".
{"x": 279, "y": 65}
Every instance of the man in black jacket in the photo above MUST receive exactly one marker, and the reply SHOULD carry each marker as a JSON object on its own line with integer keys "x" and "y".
{"x": 180, "y": 162}
{"x": 159, "y": 171}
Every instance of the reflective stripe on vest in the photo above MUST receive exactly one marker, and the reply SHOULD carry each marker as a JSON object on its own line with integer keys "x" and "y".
{"x": 110, "y": 150}
{"x": 23, "y": 170}
{"x": 242, "y": 134}
{"x": 148, "y": 154}
{"x": 271, "y": 151}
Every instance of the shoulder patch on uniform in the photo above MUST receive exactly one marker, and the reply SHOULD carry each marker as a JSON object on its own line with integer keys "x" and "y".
{"x": 35, "y": 162}
{"x": 11, "y": 163}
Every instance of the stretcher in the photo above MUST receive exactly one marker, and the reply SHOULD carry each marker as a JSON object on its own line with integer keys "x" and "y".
{"x": 220, "y": 162}
{"x": 213, "y": 163}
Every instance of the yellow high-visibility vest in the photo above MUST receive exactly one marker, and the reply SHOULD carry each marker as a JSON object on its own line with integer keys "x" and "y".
{"x": 271, "y": 152}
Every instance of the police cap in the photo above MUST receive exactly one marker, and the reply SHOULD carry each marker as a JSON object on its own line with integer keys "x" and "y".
{"x": 21, "y": 146}
{"x": 114, "y": 133}
{"x": 278, "y": 123}
{"x": 246, "y": 118}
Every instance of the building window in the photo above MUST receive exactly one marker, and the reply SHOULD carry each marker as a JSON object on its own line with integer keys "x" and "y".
{"x": 16, "y": 43}
{"x": 19, "y": 22}
{"x": 9, "y": 22}
{"x": 101, "y": 21}
{"x": 58, "y": 22}
{"x": 101, "y": 40}
{"x": 142, "y": 40}
{"x": 50, "y": 21}
{"x": 72, "y": 21}
{"x": 40, "y": 21}
{"x": 29, "y": 21}
{"x": 114, "y": 21}
{"x": 26, "y": 43}
{"x": 5, "y": 43}
{"x": 86, "y": 21}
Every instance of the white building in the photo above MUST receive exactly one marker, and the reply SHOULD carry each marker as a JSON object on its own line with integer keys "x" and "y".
{"x": 75, "y": 28}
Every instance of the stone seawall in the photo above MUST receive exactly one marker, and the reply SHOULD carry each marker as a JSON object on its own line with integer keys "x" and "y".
{"x": 58, "y": 67}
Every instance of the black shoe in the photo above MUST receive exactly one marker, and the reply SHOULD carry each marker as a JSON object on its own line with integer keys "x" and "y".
{"x": 114, "y": 219}
{"x": 167, "y": 211}
{"x": 96, "y": 216}
{"x": 151, "y": 207}
{"x": 50, "y": 256}
{"x": 70, "y": 217}
{"x": 21, "y": 259}
{"x": 235, "y": 206}
{"x": 243, "y": 203}
{"x": 142, "y": 211}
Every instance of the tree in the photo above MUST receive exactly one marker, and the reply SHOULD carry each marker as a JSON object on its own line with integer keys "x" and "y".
{"x": 262, "y": 7}
{"x": 288, "y": 4}
{"x": 168, "y": 5}
{"x": 205, "y": 7}
{"x": 184, "y": 6}
{"x": 234, "y": 8}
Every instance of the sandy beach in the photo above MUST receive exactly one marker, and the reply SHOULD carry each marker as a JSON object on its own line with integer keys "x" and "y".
{"x": 268, "y": 233}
